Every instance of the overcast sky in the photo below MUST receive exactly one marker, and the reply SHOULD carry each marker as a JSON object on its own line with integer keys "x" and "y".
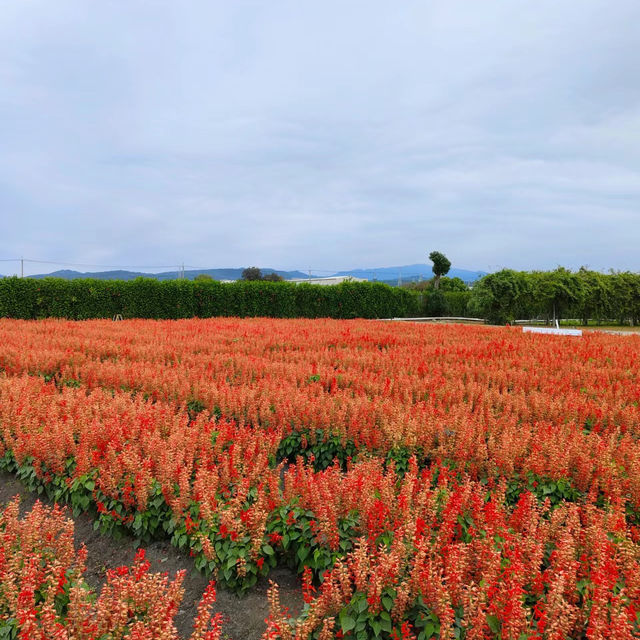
{"x": 331, "y": 135}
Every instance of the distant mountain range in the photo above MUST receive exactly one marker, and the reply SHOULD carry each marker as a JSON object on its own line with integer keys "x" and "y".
{"x": 406, "y": 273}
{"x": 409, "y": 272}
{"x": 216, "y": 274}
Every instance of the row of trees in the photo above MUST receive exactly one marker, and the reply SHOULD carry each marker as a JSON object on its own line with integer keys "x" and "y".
{"x": 445, "y": 285}
{"x": 250, "y": 274}
{"x": 253, "y": 274}
{"x": 509, "y": 295}
{"x": 584, "y": 294}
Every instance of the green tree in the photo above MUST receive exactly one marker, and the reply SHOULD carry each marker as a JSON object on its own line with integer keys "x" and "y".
{"x": 595, "y": 303}
{"x": 499, "y": 297}
{"x": 556, "y": 291}
{"x": 625, "y": 289}
{"x": 449, "y": 285}
{"x": 441, "y": 266}
{"x": 203, "y": 277}
{"x": 252, "y": 273}
{"x": 273, "y": 277}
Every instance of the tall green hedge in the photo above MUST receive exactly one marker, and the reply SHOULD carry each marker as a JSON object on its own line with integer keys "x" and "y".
{"x": 437, "y": 303}
{"x": 457, "y": 303}
{"x": 149, "y": 298}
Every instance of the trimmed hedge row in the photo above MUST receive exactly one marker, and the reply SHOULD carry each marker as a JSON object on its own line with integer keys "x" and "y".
{"x": 457, "y": 303}
{"x": 82, "y": 299}
{"x": 446, "y": 303}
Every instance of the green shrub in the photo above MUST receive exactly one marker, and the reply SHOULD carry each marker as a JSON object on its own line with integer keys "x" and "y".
{"x": 18, "y": 298}
{"x": 171, "y": 299}
{"x": 457, "y": 303}
{"x": 436, "y": 304}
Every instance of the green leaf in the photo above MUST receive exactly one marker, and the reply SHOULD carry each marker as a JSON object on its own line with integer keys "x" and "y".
{"x": 494, "y": 623}
{"x": 346, "y": 621}
{"x": 303, "y": 552}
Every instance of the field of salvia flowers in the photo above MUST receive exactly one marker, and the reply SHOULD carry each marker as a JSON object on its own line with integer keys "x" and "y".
{"x": 425, "y": 481}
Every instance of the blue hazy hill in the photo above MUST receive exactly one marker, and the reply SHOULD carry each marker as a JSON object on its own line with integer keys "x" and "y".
{"x": 216, "y": 274}
{"x": 381, "y": 274}
{"x": 410, "y": 272}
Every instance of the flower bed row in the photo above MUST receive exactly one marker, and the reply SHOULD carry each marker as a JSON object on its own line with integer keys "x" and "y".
{"x": 437, "y": 516}
{"x": 450, "y": 557}
{"x": 43, "y": 594}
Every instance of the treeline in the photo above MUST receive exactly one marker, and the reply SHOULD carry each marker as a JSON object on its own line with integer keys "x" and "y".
{"x": 83, "y": 299}
{"x": 499, "y": 297}
{"x": 508, "y": 295}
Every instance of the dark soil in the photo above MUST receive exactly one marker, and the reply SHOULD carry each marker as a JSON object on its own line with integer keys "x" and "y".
{"x": 244, "y": 616}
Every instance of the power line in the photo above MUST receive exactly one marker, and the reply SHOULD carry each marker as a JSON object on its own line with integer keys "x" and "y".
{"x": 179, "y": 266}
{"x": 103, "y": 266}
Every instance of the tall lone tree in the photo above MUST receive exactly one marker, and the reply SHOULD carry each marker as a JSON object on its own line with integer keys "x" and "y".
{"x": 441, "y": 266}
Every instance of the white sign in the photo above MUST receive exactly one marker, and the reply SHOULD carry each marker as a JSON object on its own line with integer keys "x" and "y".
{"x": 553, "y": 330}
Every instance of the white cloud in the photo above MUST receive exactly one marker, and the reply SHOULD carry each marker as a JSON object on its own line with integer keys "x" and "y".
{"x": 331, "y": 135}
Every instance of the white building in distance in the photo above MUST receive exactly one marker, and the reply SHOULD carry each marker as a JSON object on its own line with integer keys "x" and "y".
{"x": 327, "y": 281}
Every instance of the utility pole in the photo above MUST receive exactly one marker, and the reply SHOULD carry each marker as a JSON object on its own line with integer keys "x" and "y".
{"x": 21, "y": 266}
